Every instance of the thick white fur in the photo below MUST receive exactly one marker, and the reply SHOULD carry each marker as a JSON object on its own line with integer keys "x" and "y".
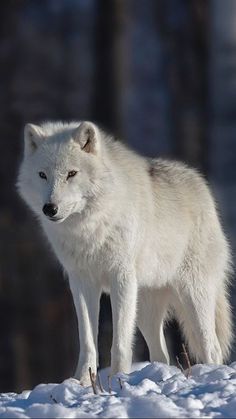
{"x": 146, "y": 231}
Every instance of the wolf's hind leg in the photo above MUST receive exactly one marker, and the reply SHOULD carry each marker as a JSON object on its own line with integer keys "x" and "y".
{"x": 195, "y": 309}
{"x": 152, "y": 308}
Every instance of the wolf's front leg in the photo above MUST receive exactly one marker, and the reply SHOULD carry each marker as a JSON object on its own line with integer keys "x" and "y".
{"x": 123, "y": 302}
{"x": 86, "y": 295}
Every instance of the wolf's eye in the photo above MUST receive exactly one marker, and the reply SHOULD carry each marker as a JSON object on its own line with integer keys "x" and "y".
{"x": 42, "y": 175}
{"x": 72, "y": 173}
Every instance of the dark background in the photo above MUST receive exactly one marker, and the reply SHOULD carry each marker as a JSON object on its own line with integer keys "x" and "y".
{"x": 159, "y": 73}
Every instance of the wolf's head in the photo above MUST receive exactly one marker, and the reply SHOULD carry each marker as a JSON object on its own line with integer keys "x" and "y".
{"x": 62, "y": 168}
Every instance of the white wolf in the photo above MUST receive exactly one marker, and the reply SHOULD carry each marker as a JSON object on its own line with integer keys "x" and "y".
{"x": 146, "y": 231}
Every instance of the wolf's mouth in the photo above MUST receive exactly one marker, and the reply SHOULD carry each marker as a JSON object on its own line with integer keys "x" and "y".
{"x": 56, "y": 219}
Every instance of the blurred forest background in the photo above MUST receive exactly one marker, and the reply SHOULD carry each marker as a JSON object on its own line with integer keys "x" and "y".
{"x": 159, "y": 73}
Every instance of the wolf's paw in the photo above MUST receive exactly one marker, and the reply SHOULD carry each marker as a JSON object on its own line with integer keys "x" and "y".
{"x": 120, "y": 366}
{"x": 84, "y": 380}
{"x": 84, "y": 376}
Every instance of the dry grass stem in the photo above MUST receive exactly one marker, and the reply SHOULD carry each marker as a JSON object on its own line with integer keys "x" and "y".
{"x": 120, "y": 382}
{"x": 179, "y": 365}
{"x": 188, "y": 372}
{"x": 109, "y": 383}
{"x": 53, "y": 399}
{"x": 93, "y": 380}
{"x": 100, "y": 382}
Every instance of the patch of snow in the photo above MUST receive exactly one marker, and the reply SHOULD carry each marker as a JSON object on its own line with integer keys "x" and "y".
{"x": 152, "y": 390}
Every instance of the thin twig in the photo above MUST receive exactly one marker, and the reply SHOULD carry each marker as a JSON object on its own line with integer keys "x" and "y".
{"x": 179, "y": 364}
{"x": 120, "y": 382}
{"x": 109, "y": 383}
{"x": 53, "y": 399}
{"x": 187, "y": 360}
{"x": 100, "y": 382}
{"x": 93, "y": 380}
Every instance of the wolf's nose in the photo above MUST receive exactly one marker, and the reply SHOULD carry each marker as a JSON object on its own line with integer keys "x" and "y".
{"x": 50, "y": 210}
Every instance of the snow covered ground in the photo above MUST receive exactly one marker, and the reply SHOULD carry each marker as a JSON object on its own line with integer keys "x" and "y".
{"x": 152, "y": 390}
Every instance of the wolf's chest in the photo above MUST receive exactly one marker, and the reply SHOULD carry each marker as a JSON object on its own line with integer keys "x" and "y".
{"x": 80, "y": 249}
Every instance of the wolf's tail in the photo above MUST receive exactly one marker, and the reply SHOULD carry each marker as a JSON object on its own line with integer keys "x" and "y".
{"x": 224, "y": 327}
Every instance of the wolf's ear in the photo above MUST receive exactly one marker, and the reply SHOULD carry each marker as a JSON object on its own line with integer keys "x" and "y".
{"x": 33, "y": 136}
{"x": 87, "y": 136}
